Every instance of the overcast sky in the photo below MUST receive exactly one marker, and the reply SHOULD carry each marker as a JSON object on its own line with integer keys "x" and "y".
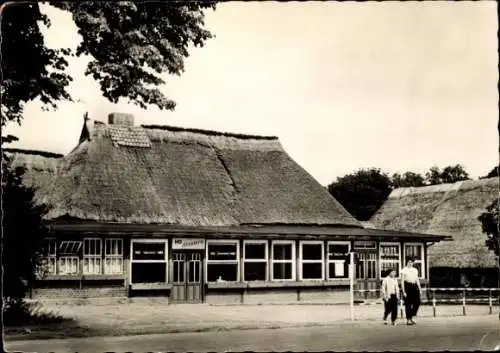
{"x": 394, "y": 85}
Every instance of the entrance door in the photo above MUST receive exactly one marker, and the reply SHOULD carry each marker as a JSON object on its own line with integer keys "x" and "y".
{"x": 187, "y": 277}
{"x": 366, "y": 274}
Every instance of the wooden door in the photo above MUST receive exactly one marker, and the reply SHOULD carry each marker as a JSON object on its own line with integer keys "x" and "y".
{"x": 187, "y": 275}
{"x": 366, "y": 274}
{"x": 193, "y": 284}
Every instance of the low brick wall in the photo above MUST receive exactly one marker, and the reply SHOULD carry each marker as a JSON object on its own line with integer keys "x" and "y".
{"x": 79, "y": 293}
{"x": 219, "y": 297}
{"x": 255, "y": 296}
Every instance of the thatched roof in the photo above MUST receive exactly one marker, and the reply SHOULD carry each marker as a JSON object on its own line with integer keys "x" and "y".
{"x": 169, "y": 175}
{"x": 447, "y": 209}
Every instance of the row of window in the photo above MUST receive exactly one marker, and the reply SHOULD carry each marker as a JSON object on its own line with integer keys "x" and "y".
{"x": 98, "y": 256}
{"x": 314, "y": 264}
{"x": 261, "y": 260}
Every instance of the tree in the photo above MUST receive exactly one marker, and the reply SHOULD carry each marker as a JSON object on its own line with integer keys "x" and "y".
{"x": 489, "y": 221}
{"x": 452, "y": 174}
{"x": 433, "y": 176}
{"x": 130, "y": 43}
{"x": 23, "y": 233}
{"x": 492, "y": 174}
{"x": 491, "y": 227}
{"x": 362, "y": 192}
{"x": 408, "y": 179}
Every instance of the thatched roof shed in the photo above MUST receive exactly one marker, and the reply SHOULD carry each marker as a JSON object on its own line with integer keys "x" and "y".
{"x": 447, "y": 209}
{"x": 167, "y": 175}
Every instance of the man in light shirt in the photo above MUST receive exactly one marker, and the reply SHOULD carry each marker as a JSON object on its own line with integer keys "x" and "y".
{"x": 410, "y": 285}
{"x": 390, "y": 295}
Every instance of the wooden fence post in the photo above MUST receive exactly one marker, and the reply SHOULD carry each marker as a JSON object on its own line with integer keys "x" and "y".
{"x": 463, "y": 303}
{"x": 434, "y": 302}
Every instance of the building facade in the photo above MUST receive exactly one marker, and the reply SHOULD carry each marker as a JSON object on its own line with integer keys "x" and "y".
{"x": 199, "y": 216}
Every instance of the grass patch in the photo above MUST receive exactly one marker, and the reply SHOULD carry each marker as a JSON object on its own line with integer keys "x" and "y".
{"x": 21, "y": 313}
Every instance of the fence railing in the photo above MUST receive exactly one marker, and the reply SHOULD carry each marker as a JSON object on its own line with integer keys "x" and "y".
{"x": 461, "y": 296}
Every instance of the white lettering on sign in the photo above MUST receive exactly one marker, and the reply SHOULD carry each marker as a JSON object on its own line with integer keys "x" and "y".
{"x": 188, "y": 244}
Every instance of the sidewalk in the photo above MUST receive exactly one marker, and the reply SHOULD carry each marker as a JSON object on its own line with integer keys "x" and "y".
{"x": 147, "y": 316}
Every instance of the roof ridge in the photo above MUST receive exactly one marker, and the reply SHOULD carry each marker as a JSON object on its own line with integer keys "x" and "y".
{"x": 34, "y": 152}
{"x": 208, "y": 132}
{"x": 443, "y": 187}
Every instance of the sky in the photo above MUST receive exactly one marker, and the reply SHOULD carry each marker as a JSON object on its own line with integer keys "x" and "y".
{"x": 400, "y": 86}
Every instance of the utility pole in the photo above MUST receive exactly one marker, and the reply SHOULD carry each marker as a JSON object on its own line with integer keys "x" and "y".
{"x": 351, "y": 284}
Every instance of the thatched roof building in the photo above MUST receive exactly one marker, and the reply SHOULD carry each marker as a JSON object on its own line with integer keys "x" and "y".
{"x": 447, "y": 209}
{"x": 169, "y": 175}
{"x": 140, "y": 208}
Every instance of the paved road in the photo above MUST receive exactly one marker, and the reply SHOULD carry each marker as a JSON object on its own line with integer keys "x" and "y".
{"x": 459, "y": 333}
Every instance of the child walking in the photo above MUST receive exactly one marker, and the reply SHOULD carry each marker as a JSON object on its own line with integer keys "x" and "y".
{"x": 390, "y": 295}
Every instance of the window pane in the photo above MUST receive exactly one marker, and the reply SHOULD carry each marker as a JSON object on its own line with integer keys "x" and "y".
{"x": 386, "y": 266}
{"x": 255, "y": 271}
{"x": 226, "y": 272}
{"x": 282, "y": 251}
{"x": 149, "y": 251}
{"x": 220, "y": 252}
{"x": 360, "y": 270}
{"x": 113, "y": 247}
{"x": 282, "y": 271}
{"x": 413, "y": 251}
{"x": 389, "y": 252}
{"x": 255, "y": 251}
{"x": 371, "y": 269}
{"x": 92, "y": 247}
{"x": 312, "y": 271}
{"x": 194, "y": 271}
{"x": 149, "y": 272}
{"x": 312, "y": 252}
{"x": 337, "y": 251}
{"x": 92, "y": 265}
{"x": 365, "y": 244}
{"x": 50, "y": 247}
{"x": 70, "y": 247}
{"x": 113, "y": 265}
{"x": 338, "y": 269}
{"x": 68, "y": 265}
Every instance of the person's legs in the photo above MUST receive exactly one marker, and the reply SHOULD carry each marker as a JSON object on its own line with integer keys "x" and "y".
{"x": 408, "y": 301}
{"x": 386, "y": 309}
{"x": 394, "y": 308}
{"x": 416, "y": 302}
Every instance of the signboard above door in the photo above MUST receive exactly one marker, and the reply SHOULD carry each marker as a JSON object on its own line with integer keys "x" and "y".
{"x": 188, "y": 244}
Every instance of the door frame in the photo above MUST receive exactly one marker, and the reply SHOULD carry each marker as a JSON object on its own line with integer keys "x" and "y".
{"x": 201, "y": 252}
{"x": 364, "y": 283}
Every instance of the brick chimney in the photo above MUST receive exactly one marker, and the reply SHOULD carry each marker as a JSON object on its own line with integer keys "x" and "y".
{"x": 121, "y": 119}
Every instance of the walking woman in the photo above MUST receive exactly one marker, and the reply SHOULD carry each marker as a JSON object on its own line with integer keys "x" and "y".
{"x": 390, "y": 295}
{"x": 410, "y": 285}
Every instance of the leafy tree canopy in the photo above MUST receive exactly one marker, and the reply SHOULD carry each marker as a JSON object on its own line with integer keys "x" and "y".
{"x": 130, "y": 44}
{"x": 408, "y": 179}
{"x": 493, "y": 173}
{"x": 489, "y": 221}
{"x": 362, "y": 192}
{"x": 450, "y": 174}
{"x": 23, "y": 233}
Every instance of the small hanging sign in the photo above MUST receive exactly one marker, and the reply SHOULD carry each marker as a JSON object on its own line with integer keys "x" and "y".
{"x": 188, "y": 244}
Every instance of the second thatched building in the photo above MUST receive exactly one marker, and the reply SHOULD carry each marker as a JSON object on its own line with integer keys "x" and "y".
{"x": 450, "y": 209}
